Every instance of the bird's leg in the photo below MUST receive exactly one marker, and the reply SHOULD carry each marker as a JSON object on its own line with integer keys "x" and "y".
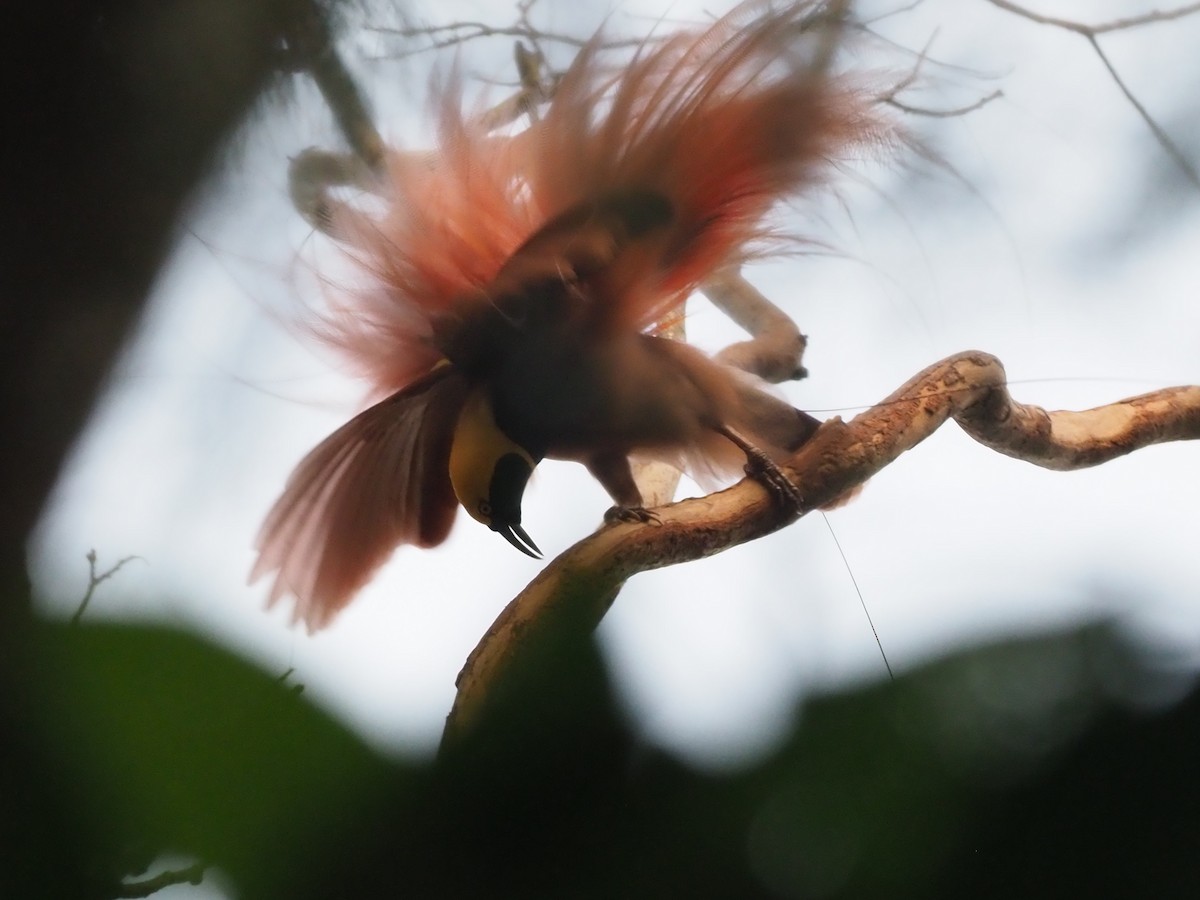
{"x": 762, "y": 468}
{"x": 612, "y": 470}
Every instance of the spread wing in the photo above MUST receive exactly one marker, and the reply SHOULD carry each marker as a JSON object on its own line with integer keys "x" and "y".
{"x": 640, "y": 181}
{"x": 379, "y": 481}
{"x": 719, "y": 125}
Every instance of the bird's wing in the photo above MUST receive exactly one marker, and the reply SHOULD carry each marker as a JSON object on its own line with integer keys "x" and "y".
{"x": 379, "y": 481}
{"x": 648, "y": 178}
{"x": 711, "y": 128}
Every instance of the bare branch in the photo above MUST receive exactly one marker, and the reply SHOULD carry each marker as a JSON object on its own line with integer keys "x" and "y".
{"x": 580, "y": 585}
{"x": 537, "y": 85}
{"x": 950, "y": 113}
{"x": 1091, "y": 33}
{"x": 311, "y": 45}
{"x": 776, "y": 349}
{"x": 1150, "y": 18}
{"x": 1160, "y": 135}
{"x": 94, "y": 581}
{"x": 193, "y": 874}
{"x": 311, "y": 175}
{"x": 464, "y": 31}
{"x": 890, "y": 97}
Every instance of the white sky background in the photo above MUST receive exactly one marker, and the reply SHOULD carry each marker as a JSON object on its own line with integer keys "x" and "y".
{"x": 1065, "y": 244}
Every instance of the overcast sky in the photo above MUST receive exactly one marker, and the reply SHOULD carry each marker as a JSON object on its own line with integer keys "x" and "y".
{"x": 1058, "y": 236}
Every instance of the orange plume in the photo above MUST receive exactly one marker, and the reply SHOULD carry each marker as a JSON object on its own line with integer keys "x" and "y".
{"x": 725, "y": 122}
{"x": 516, "y": 277}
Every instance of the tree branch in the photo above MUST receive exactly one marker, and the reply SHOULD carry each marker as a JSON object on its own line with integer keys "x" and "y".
{"x": 310, "y": 44}
{"x": 1091, "y": 33}
{"x": 94, "y": 581}
{"x": 1149, "y": 18}
{"x": 573, "y": 593}
{"x": 463, "y": 31}
{"x": 775, "y": 351}
{"x": 193, "y": 874}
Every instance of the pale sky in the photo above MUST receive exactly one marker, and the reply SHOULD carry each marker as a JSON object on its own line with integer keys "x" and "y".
{"x": 1058, "y": 237}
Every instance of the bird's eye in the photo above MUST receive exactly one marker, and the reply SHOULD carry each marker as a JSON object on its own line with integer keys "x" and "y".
{"x": 485, "y": 508}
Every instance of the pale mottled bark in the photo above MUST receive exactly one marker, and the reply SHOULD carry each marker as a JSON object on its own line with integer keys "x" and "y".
{"x": 577, "y": 588}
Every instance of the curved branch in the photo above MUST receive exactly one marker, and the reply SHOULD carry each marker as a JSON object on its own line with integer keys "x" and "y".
{"x": 1065, "y": 440}
{"x": 573, "y": 592}
{"x": 310, "y": 42}
{"x": 776, "y": 349}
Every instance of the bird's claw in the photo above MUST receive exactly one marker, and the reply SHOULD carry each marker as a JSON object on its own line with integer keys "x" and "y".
{"x": 631, "y": 514}
{"x": 763, "y": 469}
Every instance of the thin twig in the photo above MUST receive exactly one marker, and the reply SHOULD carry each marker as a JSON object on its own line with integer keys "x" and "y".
{"x": 1091, "y": 33}
{"x": 891, "y": 95}
{"x": 1160, "y": 135}
{"x": 476, "y": 30}
{"x": 464, "y": 31}
{"x": 1150, "y": 18}
{"x": 950, "y": 113}
{"x": 311, "y": 45}
{"x": 892, "y": 13}
{"x": 94, "y": 581}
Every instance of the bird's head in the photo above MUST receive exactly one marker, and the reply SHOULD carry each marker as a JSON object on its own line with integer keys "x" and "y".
{"x": 489, "y": 472}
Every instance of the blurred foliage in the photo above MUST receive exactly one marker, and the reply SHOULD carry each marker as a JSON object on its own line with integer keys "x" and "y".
{"x": 1044, "y": 767}
{"x": 173, "y": 744}
{"x": 118, "y": 111}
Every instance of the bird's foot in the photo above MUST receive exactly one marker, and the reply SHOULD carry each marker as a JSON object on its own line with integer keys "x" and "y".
{"x": 763, "y": 469}
{"x": 631, "y": 514}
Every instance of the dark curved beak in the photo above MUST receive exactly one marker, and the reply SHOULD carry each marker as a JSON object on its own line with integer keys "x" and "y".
{"x": 516, "y": 536}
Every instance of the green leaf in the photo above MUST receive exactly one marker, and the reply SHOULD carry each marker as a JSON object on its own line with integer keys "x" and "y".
{"x": 177, "y": 745}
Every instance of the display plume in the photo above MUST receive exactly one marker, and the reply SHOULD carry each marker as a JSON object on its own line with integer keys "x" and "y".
{"x": 516, "y": 282}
